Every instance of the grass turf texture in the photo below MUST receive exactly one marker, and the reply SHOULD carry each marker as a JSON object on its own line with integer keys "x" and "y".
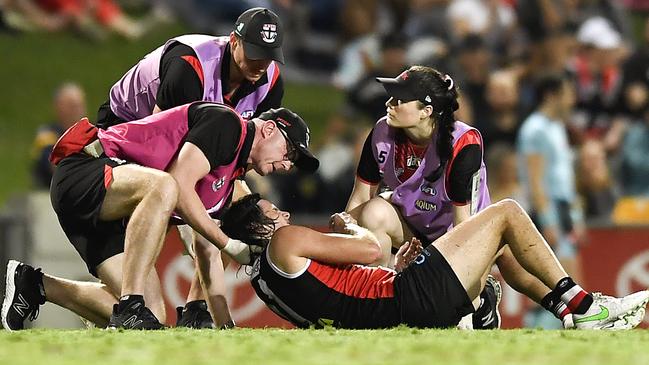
{"x": 33, "y": 65}
{"x": 272, "y": 346}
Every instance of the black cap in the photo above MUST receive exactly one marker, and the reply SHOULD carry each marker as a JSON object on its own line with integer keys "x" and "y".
{"x": 407, "y": 87}
{"x": 262, "y": 34}
{"x": 295, "y": 130}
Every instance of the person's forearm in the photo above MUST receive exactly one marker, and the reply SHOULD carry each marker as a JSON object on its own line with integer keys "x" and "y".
{"x": 361, "y": 193}
{"x": 360, "y": 232}
{"x": 353, "y": 203}
{"x": 191, "y": 210}
{"x": 212, "y": 273}
{"x": 541, "y": 206}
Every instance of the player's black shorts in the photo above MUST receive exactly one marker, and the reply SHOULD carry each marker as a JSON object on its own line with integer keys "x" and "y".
{"x": 430, "y": 294}
{"x": 77, "y": 192}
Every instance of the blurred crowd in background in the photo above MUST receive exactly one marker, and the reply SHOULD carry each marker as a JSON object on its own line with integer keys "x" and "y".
{"x": 495, "y": 50}
{"x": 582, "y": 150}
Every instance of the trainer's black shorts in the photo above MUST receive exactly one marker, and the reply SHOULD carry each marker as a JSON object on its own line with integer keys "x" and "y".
{"x": 77, "y": 192}
{"x": 430, "y": 294}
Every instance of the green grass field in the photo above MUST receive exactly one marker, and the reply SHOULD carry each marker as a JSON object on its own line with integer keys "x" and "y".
{"x": 272, "y": 346}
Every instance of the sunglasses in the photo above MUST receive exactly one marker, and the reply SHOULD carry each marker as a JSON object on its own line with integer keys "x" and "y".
{"x": 291, "y": 150}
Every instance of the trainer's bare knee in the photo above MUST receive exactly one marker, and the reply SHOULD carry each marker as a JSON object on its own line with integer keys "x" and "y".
{"x": 164, "y": 189}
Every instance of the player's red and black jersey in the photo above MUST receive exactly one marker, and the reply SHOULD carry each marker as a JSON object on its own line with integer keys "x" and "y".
{"x": 346, "y": 296}
{"x": 426, "y": 294}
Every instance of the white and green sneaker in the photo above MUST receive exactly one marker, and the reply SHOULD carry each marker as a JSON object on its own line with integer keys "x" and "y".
{"x": 610, "y": 313}
{"x": 629, "y": 321}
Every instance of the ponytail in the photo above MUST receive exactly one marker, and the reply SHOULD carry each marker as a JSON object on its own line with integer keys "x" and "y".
{"x": 444, "y": 135}
{"x": 445, "y": 119}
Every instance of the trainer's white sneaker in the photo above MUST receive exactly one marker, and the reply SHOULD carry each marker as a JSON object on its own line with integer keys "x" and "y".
{"x": 606, "y": 311}
{"x": 466, "y": 323}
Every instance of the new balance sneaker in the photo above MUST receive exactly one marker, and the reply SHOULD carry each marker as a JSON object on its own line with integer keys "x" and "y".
{"x": 24, "y": 294}
{"x": 194, "y": 315}
{"x": 487, "y": 316}
{"x": 136, "y": 316}
{"x": 610, "y": 313}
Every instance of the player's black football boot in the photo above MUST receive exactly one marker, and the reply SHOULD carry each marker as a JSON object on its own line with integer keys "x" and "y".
{"x": 194, "y": 315}
{"x": 24, "y": 294}
{"x": 135, "y": 316}
{"x": 487, "y": 316}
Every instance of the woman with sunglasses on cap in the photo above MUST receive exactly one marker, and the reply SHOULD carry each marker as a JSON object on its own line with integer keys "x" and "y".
{"x": 421, "y": 172}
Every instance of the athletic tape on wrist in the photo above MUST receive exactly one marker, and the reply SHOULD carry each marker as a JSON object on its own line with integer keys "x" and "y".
{"x": 238, "y": 250}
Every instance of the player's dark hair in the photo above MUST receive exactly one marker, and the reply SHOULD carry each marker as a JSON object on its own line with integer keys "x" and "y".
{"x": 444, "y": 94}
{"x": 245, "y": 221}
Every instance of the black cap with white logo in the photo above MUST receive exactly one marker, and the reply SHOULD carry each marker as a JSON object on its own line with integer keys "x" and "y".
{"x": 295, "y": 130}
{"x": 407, "y": 87}
{"x": 262, "y": 34}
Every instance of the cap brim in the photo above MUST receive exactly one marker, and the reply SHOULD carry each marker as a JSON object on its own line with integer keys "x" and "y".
{"x": 396, "y": 88}
{"x": 255, "y": 52}
{"x": 306, "y": 161}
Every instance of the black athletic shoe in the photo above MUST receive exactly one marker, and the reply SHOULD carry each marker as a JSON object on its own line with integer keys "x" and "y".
{"x": 194, "y": 315}
{"x": 488, "y": 316}
{"x": 24, "y": 293}
{"x": 136, "y": 316}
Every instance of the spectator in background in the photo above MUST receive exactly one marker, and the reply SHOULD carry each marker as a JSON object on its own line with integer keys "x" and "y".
{"x": 500, "y": 121}
{"x": 636, "y": 78}
{"x": 594, "y": 182}
{"x": 635, "y": 158}
{"x": 367, "y": 98}
{"x": 90, "y": 18}
{"x": 559, "y": 49}
{"x": 546, "y": 169}
{"x": 599, "y": 83}
{"x": 579, "y": 11}
{"x": 503, "y": 175}
{"x": 428, "y": 18}
{"x": 361, "y": 46}
{"x": 69, "y": 107}
{"x": 554, "y": 53}
{"x": 491, "y": 19}
{"x": 473, "y": 67}
{"x": 25, "y": 15}
{"x": 547, "y": 173}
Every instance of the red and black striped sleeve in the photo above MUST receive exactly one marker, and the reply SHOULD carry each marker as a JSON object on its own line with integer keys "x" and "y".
{"x": 466, "y": 161}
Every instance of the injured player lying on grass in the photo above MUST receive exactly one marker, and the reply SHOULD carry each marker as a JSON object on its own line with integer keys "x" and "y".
{"x": 314, "y": 279}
